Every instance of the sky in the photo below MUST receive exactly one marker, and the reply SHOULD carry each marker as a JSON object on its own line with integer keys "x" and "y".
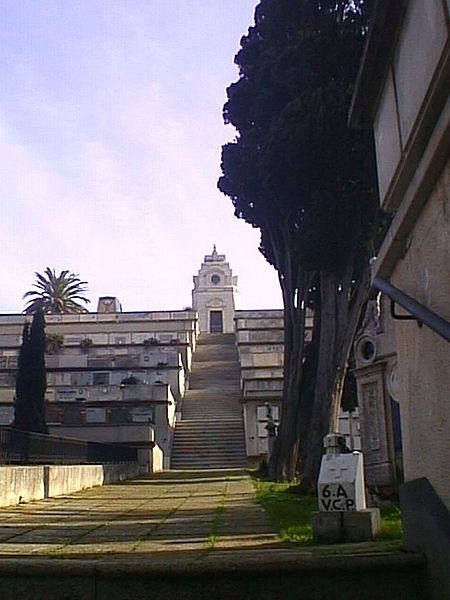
{"x": 110, "y": 135}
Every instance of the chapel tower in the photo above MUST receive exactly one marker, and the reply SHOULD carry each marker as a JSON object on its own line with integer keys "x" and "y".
{"x": 213, "y": 296}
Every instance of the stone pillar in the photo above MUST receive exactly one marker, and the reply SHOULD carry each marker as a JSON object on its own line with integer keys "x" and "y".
{"x": 376, "y": 424}
{"x": 375, "y": 374}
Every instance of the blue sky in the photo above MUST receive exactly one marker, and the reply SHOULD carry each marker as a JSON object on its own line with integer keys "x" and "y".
{"x": 110, "y": 133}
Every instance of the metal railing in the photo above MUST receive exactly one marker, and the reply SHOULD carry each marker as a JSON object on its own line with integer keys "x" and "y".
{"x": 24, "y": 447}
{"x": 419, "y": 312}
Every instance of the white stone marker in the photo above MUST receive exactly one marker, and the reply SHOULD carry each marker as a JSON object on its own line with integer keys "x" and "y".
{"x": 341, "y": 479}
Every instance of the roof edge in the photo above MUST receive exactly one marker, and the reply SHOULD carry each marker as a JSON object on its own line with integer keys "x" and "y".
{"x": 387, "y": 19}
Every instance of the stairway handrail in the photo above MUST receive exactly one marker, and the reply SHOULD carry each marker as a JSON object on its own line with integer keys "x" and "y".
{"x": 421, "y": 313}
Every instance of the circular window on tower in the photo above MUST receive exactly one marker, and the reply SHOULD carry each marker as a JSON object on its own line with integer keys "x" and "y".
{"x": 215, "y": 279}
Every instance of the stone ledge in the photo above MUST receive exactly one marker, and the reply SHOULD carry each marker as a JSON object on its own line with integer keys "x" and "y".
{"x": 351, "y": 526}
{"x": 29, "y": 483}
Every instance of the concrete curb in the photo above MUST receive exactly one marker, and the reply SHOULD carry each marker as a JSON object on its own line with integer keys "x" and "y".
{"x": 273, "y": 561}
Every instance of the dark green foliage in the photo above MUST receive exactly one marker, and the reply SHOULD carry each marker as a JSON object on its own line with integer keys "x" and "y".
{"x": 31, "y": 381}
{"x": 307, "y": 182}
{"x": 56, "y": 294}
{"x": 295, "y": 168}
{"x": 130, "y": 380}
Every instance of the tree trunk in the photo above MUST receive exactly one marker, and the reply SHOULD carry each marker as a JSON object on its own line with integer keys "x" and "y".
{"x": 285, "y": 455}
{"x": 338, "y": 322}
{"x": 295, "y": 285}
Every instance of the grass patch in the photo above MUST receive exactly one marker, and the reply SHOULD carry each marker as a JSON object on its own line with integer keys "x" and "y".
{"x": 291, "y": 513}
{"x": 391, "y": 523}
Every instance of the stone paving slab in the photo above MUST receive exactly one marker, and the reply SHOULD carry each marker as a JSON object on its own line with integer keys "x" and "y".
{"x": 192, "y": 511}
{"x": 174, "y": 519}
{"x": 189, "y": 535}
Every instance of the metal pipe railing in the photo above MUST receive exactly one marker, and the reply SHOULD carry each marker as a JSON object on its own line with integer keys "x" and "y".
{"x": 25, "y": 447}
{"x": 421, "y": 313}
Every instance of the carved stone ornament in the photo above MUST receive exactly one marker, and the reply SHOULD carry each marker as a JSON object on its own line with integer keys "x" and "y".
{"x": 393, "y": 381}
{"x": 371, "y": 401}
{"x": 371, "y": 321}
{"x": 215, "y": 303}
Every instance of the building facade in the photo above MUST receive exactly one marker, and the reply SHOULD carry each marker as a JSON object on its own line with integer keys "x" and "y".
{"x": 403, "y": 95}
{"x": 376, "y": 374}
{"x": 120, "y": 377}
{"x": 214, "y": 295}
{"x": 111, "y": 376}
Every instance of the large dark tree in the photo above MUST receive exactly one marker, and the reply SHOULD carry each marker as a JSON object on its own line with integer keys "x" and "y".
{"x": 57, "y": 294}
{"x": 31, "y": 381}
{"x": 306, "y": 181}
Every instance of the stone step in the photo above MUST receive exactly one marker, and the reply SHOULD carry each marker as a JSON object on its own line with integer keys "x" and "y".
{"x": 216, "y": 338}
{"x": 214, "y": 393}
{"x": 207, "y": 454}
{"x": 193, "y": 442}
{"x": 201, "y": 415}
{"x": 205, "y": 463}
{"x": 233, "y": 411}
{"x": 210, "y": 433}
{"x": 198, "y": 425}
{"x": 215, "y": 378}
{"x": 213, "y": 402}
{"x": 214, "y": 420}
{"x": 213, "y": 406}
{"x": 205, "y": 430}
{"x": 227, "y": 403}
{"x": 199, "y": 438}
{"x": 213, "y": 440}
{"x": 216, "y": 465}
{"x": 214, "y": 411}
{"x": 204, "y": 455}
{"x": 243, "y": 572}
{"x": 219, "y": 396}
{"x": 216, "y": 359}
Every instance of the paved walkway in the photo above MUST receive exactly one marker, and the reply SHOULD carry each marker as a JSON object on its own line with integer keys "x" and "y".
{"x": 190, "y": 535}
{"x": 195, "y": 511}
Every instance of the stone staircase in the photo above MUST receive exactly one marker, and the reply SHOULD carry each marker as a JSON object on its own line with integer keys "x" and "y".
{"x": 210, "y": 434}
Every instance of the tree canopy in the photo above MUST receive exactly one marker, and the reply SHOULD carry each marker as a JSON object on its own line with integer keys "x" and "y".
{"x": 56, "y": 294}
{"x": 295, "y": 168}
{"x": 31, "y": 382}
{"x": 306, "y": 181}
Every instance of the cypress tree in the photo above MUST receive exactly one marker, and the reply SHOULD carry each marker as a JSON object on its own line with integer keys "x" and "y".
{"x": 31, "y": 380}
{"x": 296, "y": 172}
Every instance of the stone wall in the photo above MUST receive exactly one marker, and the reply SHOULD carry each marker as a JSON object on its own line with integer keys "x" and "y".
{"x": 21, "y": 484}
{"x": 376, "y": 376}
{"x": 260, "y": 341}
{"x": 410, "y": 110}
{"x": 423, "y": 356}
{"x": 140, "y": 436}
{"x": 25, "y": 484}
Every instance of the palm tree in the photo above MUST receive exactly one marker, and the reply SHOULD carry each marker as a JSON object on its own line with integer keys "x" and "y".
{"x": 57, "y": 294}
